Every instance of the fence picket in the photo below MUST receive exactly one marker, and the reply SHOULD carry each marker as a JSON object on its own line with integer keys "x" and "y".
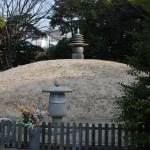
{"x": 106, "y": 135}
{"x": 8, "y": 136}
{"x": 2, "y": 142}
{"x": 86, "y": 136}
{"x": 26, "y": 137}
{"x": 43, "y": 136}
{"x": 99, "y": 136}
{"x": 55, "y": 135}
{"x": 112, "y": 135}
{"x": 62, "y": 136}
{"x": 80, "y": 136}
{"x": 13, "y": 131}
{"x": 68, "y": 136}
{"x": 119, "y": 135}
{"x": 19, "y": 135}
{"x": 74, "y": 137}
{"x": 93, "y": 136}
{"x": 49, "y": 136}
{"x": 126, "y": 139}
{"x": 0, "y": 134}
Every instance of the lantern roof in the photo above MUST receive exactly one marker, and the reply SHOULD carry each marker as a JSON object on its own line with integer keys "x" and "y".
{"x": 57, "y": 89}
{"x": 78, "y": 40}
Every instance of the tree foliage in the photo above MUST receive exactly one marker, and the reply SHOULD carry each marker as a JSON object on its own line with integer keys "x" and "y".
{"x": 106, "y": 26}
{"x": 60, "y": 51}
{"x": 66, "y": 14}
{"x": 134, "y": 104}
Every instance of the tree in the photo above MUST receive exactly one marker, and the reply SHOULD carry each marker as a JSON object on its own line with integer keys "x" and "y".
{"x": 23, "y": 19}
{"x": 108, "y": 30}
{"x": 2, "y": 24}
{"x": 60, "y": 51}
{"x": 26, "y": 53}
{"x": 65, "y": 15}
{"x": 134, "y": 104}
{"x": 106, "y": 26}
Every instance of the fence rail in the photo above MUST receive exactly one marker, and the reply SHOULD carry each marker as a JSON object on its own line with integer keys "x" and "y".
{"x": 67, "y": 136}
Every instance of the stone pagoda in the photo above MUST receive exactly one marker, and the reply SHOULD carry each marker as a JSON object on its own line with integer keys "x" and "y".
{"x": 77, "y": 46}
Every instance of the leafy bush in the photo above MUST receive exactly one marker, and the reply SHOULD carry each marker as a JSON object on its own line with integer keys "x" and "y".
{"x": 134, "y": 104}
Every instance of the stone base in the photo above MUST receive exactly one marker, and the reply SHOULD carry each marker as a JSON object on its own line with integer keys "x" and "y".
{"x": 34, "y": 138}
{"x": 77, "y": 56}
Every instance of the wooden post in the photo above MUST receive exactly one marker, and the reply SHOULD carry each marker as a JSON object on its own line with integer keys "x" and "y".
{"x": 68, "y": 137}
{"x": 55, "y": 135}
{"x": 8, "y": 136}
{"x": 49, "y": 136}
{"x": 74, "y": 137}
{"x": 2, "y": 142}
{"x": 113, "y": 135}
{"x": 106, "y": 135}
{"x": 119, "y": 135}
{"x": 19, "y": 135}
{"x": 99, "y": 136}
{"x": 62, "y": 136}
{"x": 25, "y": 137}
{"x": 80, "y": 136}
{"x": 126, "y": 138}
{"x": 93, "y": 136}
{"x": 13, "y": 130}
{"x": 43, "y": 136}
{"x": 86, "y": 136}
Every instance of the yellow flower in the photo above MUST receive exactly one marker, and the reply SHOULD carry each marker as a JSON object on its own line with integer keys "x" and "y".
{"x": 21, "y": 108}
{"x": 30, "y": 109}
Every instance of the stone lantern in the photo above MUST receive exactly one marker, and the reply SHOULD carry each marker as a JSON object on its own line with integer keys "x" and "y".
{"x": 77, "y": 46}
{"x": 57, "y": 102}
